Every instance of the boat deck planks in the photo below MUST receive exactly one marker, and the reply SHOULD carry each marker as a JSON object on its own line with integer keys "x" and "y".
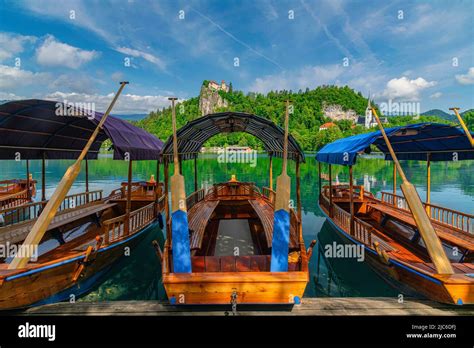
{"x": 18, "y": 232}
{"x": 309, "y": 307}
{"x": 199, "y": 215}
{"x": 265, "y": 213}
{"x": 445, "y": 233}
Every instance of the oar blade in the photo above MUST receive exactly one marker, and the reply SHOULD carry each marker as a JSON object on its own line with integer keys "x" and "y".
{"x": 179, "y": 226}
{"x": 430, "y": 238}
{"x": 281, "y": 225}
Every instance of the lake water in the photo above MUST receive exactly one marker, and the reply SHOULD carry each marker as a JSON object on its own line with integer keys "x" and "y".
{"x": 138, "y": 276}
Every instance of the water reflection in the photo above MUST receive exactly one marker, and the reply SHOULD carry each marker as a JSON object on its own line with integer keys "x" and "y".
{"x": 138, "y": 276}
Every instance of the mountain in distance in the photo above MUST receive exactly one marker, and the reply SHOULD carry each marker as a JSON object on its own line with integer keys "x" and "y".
{"x": 131, "y": 117}
{"x": 439, "y": 113}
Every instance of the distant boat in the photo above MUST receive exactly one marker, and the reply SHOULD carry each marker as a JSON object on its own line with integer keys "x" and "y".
{"x": 405, "y": 241}
{"x": 16, "y": 192}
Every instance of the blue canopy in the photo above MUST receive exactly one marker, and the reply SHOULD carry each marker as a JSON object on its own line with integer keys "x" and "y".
{"x": 411, "y": 142}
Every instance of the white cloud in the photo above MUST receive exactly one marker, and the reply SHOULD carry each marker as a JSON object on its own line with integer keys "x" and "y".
{"x": 309, "y": 76}
{"x": 404, "y": 88}
{"x": 55, "y": 53}
{"x": 88, "y": 15}
{"x": 76, "y": 82}
{"x": 140, "y": 54}
{"x": 466, "y": 79}
{"x": 117, "y": 76}
{"x": 10, "y": 96}
{"x": 13, "y": 44}
{"x": 127, "y": 103}
{"x": 13, "y": 77}
{"x": 436, "y": 95}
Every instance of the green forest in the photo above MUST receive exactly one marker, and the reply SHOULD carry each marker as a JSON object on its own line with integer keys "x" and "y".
{"x": 305, "y": 120}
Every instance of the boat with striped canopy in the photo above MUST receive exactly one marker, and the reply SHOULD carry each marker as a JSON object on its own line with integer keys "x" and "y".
{"x": 227, "y": 250}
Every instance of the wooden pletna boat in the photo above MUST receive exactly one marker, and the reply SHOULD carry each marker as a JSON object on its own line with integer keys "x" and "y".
{"x": 15, "y": 192}
{"x": 221, "y": 245}
{"x": 419, "y": 248}
{"x": 68, "y": 242}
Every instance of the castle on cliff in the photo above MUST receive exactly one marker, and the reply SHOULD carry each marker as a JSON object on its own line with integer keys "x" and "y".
{"x": 218, "y": 87}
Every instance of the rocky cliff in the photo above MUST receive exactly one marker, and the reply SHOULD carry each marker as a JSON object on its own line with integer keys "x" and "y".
{"x": 336, "y": 112}
{"x": 210, "y": 100}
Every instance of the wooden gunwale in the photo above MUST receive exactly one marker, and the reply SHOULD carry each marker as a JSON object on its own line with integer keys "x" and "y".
{"x": 214, "y": 287}
{"x": 448, "y": 287}
{"x": 4, "y": 273}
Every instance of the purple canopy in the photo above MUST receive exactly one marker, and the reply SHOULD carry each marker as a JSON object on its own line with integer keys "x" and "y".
{"x": 35, "y": 127}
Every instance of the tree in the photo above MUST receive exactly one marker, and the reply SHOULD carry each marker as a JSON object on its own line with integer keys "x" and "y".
{"x": 308, "y": 115}
{"x": 469, "y": 119}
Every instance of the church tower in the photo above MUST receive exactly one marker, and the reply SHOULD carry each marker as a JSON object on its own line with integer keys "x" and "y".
{"x": 368, "y": 115}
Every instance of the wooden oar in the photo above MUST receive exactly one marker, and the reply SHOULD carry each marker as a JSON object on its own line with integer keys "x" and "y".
{"x": 463, "y": 125}
{"x": 427, "y": 232}
{"x": 281, "y": 217}
{"x": 49, "y": 211}
{"x": 179, "y": 215}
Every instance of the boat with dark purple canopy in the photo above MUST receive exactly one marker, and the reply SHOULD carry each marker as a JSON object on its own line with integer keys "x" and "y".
{"x": 89, "y": 232}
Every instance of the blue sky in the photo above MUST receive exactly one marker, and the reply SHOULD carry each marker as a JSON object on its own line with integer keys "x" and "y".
{"x": 406, "y": 51}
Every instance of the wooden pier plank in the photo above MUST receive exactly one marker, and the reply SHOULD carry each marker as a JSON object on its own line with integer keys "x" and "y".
{"x": 309, "y": 307}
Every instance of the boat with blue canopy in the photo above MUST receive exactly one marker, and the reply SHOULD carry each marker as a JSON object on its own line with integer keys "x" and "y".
{"x": 421, "y": 248}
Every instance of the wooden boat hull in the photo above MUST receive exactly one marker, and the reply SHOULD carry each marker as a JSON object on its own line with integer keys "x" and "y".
{"x": 54, "y": 282}
{"x": 217, "y": 277}
{"x": 410, "y": 281}
{"x": 251, "y": 287}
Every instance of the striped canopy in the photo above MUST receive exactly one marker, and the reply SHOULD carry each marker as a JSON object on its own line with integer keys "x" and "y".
{"x": 194, "y": 134}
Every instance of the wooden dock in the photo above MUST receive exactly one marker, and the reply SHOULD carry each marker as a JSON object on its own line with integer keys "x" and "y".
{"x": 309, "y": 307}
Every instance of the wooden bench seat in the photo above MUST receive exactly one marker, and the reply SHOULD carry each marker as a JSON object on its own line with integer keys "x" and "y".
{"x": 448, "y": 235}
{"x": 198, "y": 216}
{"x": 251, "y": 263}
{"x": 18, "y": 232}
{"x": 265, "y": 213}
{"x": 459, "y": 268}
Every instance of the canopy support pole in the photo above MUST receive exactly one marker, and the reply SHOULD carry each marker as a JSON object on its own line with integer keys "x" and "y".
{"x": 129, "y": 198}
{"x": 394, "y": 184}
{"x": 298, "y": 189}
{"x": 330, "y": 191}
{"x": 428, "y": 183}
{"x": 427, "y": 232}
{"x": 41, "y": 225}
{"x": 271, "y": 171}
{"x": 87, "y": 180}
{"x": 28, "y": 192}
{"x": 195, "y": 174}
{"x": 157, "y": 171}
{"x": 157, "y": 192}
{"x": 319, "y": 177}
{"x": 43, "y": 177}
{"x": 167, "y": 206}
{"x": 351, "y": 193}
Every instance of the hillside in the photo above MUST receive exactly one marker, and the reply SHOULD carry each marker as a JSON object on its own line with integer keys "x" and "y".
{"x": 439, "y": 113}
{"x": 308, "y": 115}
